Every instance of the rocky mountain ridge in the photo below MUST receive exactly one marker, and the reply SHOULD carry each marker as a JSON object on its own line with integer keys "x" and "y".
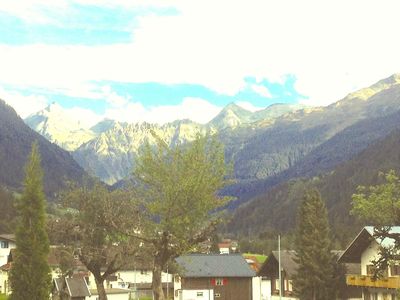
{"x": 108, "y": 149}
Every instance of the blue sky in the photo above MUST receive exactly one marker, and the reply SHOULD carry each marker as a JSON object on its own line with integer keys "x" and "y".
{"x": 158, "y": 60}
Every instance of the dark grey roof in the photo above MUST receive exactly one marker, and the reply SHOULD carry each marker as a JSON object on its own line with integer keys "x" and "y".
{"x": 214, "y": 265}
{"x": 287, "y": 261}
{"x": 76, "y": 287}
{"x": 289, "y": 264}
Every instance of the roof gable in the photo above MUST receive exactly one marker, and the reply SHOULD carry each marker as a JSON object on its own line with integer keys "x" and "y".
{"x": 364, "y": 238}
{"x": 288, "y": 263}
{"x": 214, "y": 265}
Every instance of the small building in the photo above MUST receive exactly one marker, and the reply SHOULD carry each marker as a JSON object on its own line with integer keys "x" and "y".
{"x": 213, "y": 276}
{"x": 269, "y": 271}
{"x": 363, "y": 250}
{"x": 73, "y": 288}
{"x": 227, "y": 246}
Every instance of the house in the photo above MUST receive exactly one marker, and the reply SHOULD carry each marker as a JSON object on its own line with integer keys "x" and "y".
{"x": 137, "y": 276}
{"x": 227, "y": 246}
{"x": 269, "y": 272}
{"x": 74, "y": 288}
{"x": 7, "y": 242}
{"x": 363, "y": 250}
{"x": 213, "y": 276}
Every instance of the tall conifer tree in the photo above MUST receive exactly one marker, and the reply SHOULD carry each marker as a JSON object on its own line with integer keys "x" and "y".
{"x": 30, "y": 273}
{"x": 315, "y": 273}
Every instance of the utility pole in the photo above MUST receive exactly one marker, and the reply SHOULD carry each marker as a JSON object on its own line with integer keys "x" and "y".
{"x": 279, "y": 266}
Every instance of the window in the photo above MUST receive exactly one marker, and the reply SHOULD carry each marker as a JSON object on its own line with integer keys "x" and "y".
{"x": 290, "y": 286}
{"x": 277, "y": 284}
{"x": 371, "y": 270}
{"x": 217, "y": 295}
{"x": 199, "y": 294}
{"x": 395, "y": 270}
{"x": 219, "y": 281}
{"x": 3, "y": 244}
{"x": 143, "y": 272}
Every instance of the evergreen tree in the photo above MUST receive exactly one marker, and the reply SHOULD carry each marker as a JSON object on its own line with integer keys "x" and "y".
{"x": 315, "y": 273}
{"x": 30, "y": 273}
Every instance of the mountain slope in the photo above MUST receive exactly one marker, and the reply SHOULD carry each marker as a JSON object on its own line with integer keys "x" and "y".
{"x": 16, "y": 139}
{"x": 277, "y": 208}
{"x": 279, "y": 146}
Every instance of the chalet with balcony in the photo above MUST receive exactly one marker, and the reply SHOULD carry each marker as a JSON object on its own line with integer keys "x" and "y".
{"x": 269, "y": 272}
{"x": 363, "y": 250}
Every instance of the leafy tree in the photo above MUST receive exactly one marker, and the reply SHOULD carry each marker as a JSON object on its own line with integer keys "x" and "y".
{"x": 96, "y": 225}
{"x": 379, "y": 205}
{"x": 30, "y": 273}
{"x": 315, "y": 272}
{"x": 180, "y": 190}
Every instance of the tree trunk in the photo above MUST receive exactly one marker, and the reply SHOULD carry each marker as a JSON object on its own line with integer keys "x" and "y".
{"x": 157, "y": 283}
{"x": 100, "y": 288}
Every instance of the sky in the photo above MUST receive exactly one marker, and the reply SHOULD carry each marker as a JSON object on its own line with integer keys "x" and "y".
{"x": 161, "y": 60}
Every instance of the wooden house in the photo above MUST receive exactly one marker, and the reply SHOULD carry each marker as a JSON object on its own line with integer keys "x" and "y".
{"x": 213, "y": 276}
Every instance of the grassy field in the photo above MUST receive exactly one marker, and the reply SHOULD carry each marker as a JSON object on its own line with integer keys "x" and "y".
{"x": 3, "y": 297}
{"x": 261, "y": 258}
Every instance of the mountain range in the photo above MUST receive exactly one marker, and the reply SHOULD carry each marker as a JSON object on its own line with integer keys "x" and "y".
{"x": 108, "y": 149}
{"x": 277, "y": 152}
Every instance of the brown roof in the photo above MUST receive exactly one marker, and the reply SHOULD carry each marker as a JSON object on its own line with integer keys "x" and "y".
{"x": 6, "y": 267}
{"x": 8, "y": 237}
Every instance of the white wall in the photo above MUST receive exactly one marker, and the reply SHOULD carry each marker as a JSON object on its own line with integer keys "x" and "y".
{"x": 368, "y": 255}
{"x": 4, "y": 252}
{"x": 257, "y": 285}
{"x": 266, "y": 289}
{"x": 194, "y": 295}
{"x": 3, "y": 282}
{"x": 131, "y": 276}
{"x": 124, "y": 296}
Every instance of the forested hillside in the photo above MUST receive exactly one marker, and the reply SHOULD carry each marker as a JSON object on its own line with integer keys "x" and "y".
{"x": 277, "y": 208}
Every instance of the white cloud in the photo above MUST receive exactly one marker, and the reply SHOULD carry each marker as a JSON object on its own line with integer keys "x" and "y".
{"x": 261, "y": 90}
{"x": 332, "y": 47}
{"x": 113, "y": 98}
{"x": 195, "y": 109}
{"x": 23, "y": 105}
{"x": 131, "y": 113}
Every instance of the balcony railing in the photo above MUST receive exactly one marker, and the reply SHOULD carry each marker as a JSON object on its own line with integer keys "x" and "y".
{"x": 367, "y": 281}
